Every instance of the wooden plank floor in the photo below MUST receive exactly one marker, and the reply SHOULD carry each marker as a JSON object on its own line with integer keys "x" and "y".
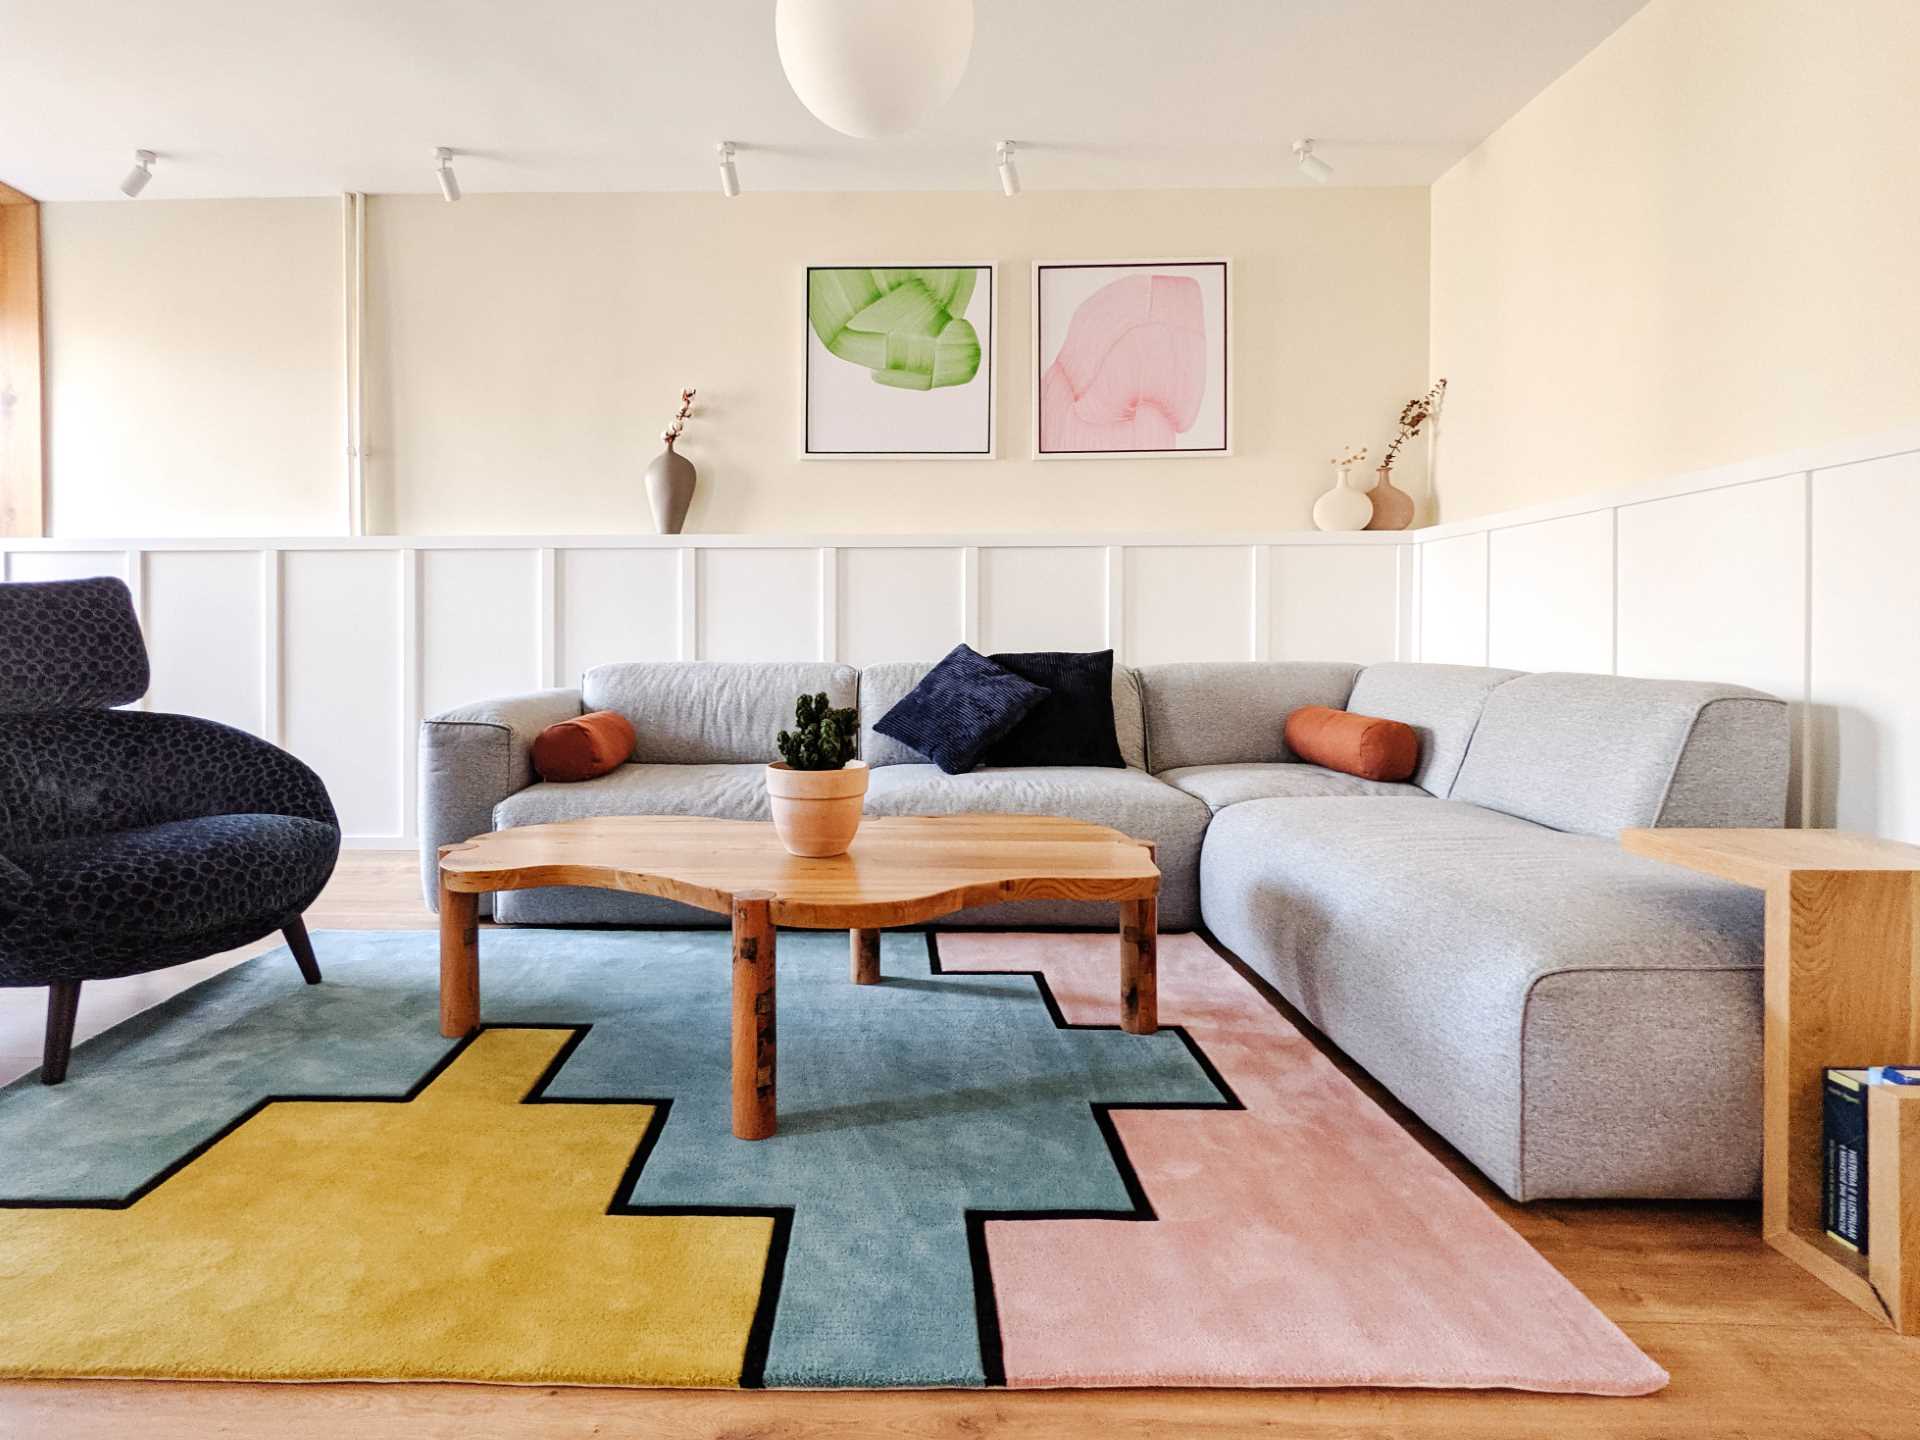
{"x": 1756, "y": 1346}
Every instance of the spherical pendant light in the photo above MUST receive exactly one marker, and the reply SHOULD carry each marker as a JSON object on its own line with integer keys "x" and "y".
{"x": 871, "y": 68}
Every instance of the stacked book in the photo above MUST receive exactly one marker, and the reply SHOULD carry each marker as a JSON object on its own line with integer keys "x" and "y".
{"x": 1844, "y": 1196}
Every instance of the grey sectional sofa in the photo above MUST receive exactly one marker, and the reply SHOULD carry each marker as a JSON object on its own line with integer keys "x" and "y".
{"x": 1576, "y": 1020}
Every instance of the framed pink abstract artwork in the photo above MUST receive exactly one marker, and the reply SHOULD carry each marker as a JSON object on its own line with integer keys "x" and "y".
{"x": 1131, "y": 357}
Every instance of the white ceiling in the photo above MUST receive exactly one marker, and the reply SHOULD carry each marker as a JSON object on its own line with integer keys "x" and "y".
{"x": 312, "y": 97}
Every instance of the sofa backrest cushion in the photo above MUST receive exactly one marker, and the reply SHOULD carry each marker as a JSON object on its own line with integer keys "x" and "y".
{"x": 703, "y": 712}
{"x": 882, "y": 686}
{"x": 1441, "y": 702}
{"x": 69, "y": 645}
{"x": 1596, "y": 754}
{"x": 1233, "y": 712}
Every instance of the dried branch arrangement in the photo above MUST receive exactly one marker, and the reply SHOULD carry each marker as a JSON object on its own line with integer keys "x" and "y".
{"x": 1413, "y": 415}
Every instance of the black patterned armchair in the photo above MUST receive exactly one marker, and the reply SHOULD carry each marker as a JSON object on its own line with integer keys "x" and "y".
{"x": 131, "y": 841}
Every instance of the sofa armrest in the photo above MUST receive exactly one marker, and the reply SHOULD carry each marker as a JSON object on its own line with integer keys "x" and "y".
{"x": 471, "y": 758}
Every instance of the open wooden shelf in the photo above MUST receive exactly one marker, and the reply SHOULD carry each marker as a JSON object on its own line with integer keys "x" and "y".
{"x": 1842, "y": 989}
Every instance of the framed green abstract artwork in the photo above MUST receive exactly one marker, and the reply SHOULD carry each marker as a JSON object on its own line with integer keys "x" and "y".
{"x": 899, "y": 362}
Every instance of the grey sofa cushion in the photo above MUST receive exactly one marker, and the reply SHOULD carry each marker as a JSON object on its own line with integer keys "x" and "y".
{"x": 1223, "y": 785}
{"x": 712, "y": 713}
{"x": 1128, "y": 800}
{"x": 1222, "y": 712}
{"x": 724, "y": 792}
{"x": 1595, "y": 754}
{"x": 882, "y": 686}
{"x": 1441, "y": 702}
{"x": 1576, "y": 1020}
{"x": 719, "y": 792}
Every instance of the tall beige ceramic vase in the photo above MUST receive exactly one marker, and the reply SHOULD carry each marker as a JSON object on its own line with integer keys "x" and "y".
{"x": 816, "y": 812}
{"x": 670, "y": 483}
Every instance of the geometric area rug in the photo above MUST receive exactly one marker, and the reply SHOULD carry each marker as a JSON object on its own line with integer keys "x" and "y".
{"x": 978, "y": 1180}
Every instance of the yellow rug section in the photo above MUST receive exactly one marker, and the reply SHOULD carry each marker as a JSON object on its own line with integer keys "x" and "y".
{"x": 460, "y": 1236}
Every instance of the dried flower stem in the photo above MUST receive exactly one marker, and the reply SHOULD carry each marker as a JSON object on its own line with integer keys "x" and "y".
{"x": 1413, "y": 415}
{"x": 672, "y": 432}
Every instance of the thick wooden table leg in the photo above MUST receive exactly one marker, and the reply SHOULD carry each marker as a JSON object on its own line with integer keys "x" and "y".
{"x": 754, "y": 1111}
{"x": 865, "y": 945}
{"x": 1139, "y": 966}
{"x": 459, "y": 961}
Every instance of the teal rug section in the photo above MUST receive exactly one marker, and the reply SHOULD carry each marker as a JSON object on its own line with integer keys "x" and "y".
{"x": 902, "y": 1105}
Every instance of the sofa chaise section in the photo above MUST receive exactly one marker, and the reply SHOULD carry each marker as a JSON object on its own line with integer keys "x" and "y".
{"x": 1577, "y": 1021}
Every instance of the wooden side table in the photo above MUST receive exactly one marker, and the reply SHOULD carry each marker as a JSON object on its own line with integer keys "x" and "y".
{"x": 1842, "y": 989}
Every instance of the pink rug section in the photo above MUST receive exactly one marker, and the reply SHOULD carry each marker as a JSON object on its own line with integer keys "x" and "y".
{"x": 1305, "y": 1241}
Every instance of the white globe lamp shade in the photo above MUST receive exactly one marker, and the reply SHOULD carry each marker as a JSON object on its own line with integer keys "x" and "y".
{"x": 872, "y": 68}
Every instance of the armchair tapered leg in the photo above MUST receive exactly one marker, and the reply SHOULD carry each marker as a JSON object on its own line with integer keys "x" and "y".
{"x": 63, "y": 1004}
{"x": 296, "y": 932}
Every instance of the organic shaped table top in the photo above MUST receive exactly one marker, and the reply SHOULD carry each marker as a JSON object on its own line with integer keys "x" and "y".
{"x": 901, "y": 870}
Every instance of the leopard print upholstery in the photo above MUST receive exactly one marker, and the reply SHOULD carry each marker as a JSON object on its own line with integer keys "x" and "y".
{"x": 133, "y": 841}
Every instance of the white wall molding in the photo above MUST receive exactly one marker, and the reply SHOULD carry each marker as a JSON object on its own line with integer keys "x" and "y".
{"x": 1788, "y": 573}
{"x": 357, "y": 638}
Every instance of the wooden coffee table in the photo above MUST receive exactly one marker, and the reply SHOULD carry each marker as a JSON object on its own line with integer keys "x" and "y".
{"x": 902, "y": 870}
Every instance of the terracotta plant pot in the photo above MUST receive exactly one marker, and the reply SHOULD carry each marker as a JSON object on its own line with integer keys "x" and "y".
{"x": 816, "y": 812}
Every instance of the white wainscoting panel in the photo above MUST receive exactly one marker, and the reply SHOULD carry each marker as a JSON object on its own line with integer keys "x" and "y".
{"x": 1188, "y": 602}
{"x": 1713, "y": 586}
{"x": 204, "y": 632}
{"x": 344, "y": 699}
{"x": 1550, "y": 595}
{"x": 1453, "y": 600}
{"x": 1864, "y": 760}
{"x": 1334, "y": 602}
{"x": 756, "y": 604}
{"x": 616, "y": 605}
{"x": 1733, "y": 563}
{"x": 1043, "y": 597}
{"x": 66, "y": 564}
{"x": 479, "y": 626}
{"x": 899, "y": 604}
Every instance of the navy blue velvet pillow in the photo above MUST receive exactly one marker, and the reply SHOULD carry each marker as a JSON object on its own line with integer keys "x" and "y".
{"x": 1074, "y": 724}
{"x": 959, "y": 708}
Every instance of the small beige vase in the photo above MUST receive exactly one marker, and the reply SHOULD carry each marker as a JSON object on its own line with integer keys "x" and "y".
{"x": 1392, "y": 506}
{"x": 816, "y": 812}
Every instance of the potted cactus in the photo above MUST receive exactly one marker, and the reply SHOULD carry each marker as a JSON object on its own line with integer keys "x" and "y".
{"x": 816, "y": 788}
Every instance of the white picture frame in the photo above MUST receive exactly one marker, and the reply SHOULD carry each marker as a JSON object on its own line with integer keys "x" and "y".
{"x": 823, "y": 435}
{"x": 1049, "y": 311}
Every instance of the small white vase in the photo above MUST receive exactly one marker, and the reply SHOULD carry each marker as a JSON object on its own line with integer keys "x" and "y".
{"x": 1344, "y": 507}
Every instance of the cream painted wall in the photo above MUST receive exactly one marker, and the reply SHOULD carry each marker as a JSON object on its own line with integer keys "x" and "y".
{"x": 194, "y": 353}
{"x": 1698, "y": 245}
{"x": 524, "y": 351}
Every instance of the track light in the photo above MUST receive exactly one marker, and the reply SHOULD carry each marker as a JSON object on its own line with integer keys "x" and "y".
{"x": 443, "y": 171}
{"x": 1009, "y": 176}
{"x": 729, "y": 177}
{"x": 1311, "y": 165}
{"x": 139, "y": 175}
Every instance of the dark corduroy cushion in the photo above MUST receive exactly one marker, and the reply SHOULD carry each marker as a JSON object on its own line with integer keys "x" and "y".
{"x": 1074, "y": 724}
{"x": 959, "y": 709}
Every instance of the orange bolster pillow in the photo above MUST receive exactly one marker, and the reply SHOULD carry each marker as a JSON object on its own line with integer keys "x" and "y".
{"x": 1353, "y": 744}
{"x": 584, "y": 749}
